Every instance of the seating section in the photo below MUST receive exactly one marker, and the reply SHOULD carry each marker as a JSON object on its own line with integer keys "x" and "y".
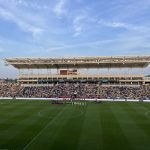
{"x": 79, "y": 90}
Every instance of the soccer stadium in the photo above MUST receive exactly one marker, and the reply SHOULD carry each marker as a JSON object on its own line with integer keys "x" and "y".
{"x": 64, "y": 107}
{"x": 74, "y": 74}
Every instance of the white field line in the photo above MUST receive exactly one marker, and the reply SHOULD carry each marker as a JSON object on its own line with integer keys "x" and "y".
{"x": 36, "y": 136}
{"x": 147, "y": 114}
{"x": 75, "y": 116}
{"x": 113, "y": 100}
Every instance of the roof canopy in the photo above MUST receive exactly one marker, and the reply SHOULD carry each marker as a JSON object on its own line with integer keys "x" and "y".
{"x": 80, "y": 62}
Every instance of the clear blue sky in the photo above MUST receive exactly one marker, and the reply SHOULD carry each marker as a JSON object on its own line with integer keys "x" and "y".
{"x": 46, "y": 28}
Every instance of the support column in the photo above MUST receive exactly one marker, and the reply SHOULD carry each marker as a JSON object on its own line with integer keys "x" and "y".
{"x": 130, "y": 74}
{"x": 142, "y": 73}
{"x": 108, "y": 76}
{"x": 87, "y": 73}
{"x": 19, "y": 75}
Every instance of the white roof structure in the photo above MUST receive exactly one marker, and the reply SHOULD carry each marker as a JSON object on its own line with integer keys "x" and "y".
{"x": 80, "y": 62}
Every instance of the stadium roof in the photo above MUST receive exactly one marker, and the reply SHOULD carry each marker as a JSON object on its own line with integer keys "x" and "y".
{"x": 80, "y": 62}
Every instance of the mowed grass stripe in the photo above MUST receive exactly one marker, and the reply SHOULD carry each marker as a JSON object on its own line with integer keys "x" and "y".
{"x": 113, "y": 136}
{"x": 54, "y": 132}
{"x": 40, "y": 125}
{"x": 27, "y": 123}
{"x": 27, "y": 127}
{"x": 48, "y": 132}
{"x": 146, "y": 108}
{"x": 8, "y": 108}
{"x": 137, "y": 139}
{"x": 8, "y": 121}
{"x": 91, "y": 133}
{"x": 19, "y": 113}
{"x": 137, "y": 113}
{"x": 69, "y": 134}
{"x": 8, "y": 117}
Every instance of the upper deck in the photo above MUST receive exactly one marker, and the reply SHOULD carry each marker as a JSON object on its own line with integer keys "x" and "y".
{"x": 80, "y": 62}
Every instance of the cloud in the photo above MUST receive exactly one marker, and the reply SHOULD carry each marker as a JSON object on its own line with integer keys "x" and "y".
{"x": 59, "y": 8}
{"x": 127, "y": 10}
{"x": 36, "y": 31}
{"x": 20, "y": 22}
{"x": 21, "y": 2}
{"x": 122, "y": 45}
{"x": 78, "y": 23}
{"x": 123, "y": 25}
{"x": 67, "y": 46}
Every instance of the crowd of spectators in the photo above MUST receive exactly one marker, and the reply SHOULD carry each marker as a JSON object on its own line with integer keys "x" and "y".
{"x": 8, "y": 89}
{"x": 80, "y": 90}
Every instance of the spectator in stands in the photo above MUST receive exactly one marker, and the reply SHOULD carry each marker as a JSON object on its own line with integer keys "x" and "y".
{"x": 82, "y": 90}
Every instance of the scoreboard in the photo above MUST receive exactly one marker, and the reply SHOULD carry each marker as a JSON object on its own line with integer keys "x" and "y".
{"x": 69, "y": 72}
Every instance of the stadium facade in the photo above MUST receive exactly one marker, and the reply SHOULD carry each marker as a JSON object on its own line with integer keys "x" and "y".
{"x": 68, "y": 70}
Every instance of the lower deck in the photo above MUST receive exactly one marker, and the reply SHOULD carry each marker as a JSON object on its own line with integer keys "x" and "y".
{"x": 33, "y": 79}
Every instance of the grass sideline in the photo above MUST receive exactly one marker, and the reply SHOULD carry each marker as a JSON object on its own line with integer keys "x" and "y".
{"x": 29, "y": 125}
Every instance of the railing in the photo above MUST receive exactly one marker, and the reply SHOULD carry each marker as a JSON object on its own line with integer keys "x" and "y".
{"x": 147, "y": 78}
{"x": 81, "y": 76}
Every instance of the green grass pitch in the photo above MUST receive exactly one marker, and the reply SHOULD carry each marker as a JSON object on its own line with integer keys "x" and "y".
{"x": 39, "y": 125}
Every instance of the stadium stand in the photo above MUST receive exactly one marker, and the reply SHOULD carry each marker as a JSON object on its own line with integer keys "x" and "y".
{"x": 80, "y": 91}
{"x": 70, "y": 82}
